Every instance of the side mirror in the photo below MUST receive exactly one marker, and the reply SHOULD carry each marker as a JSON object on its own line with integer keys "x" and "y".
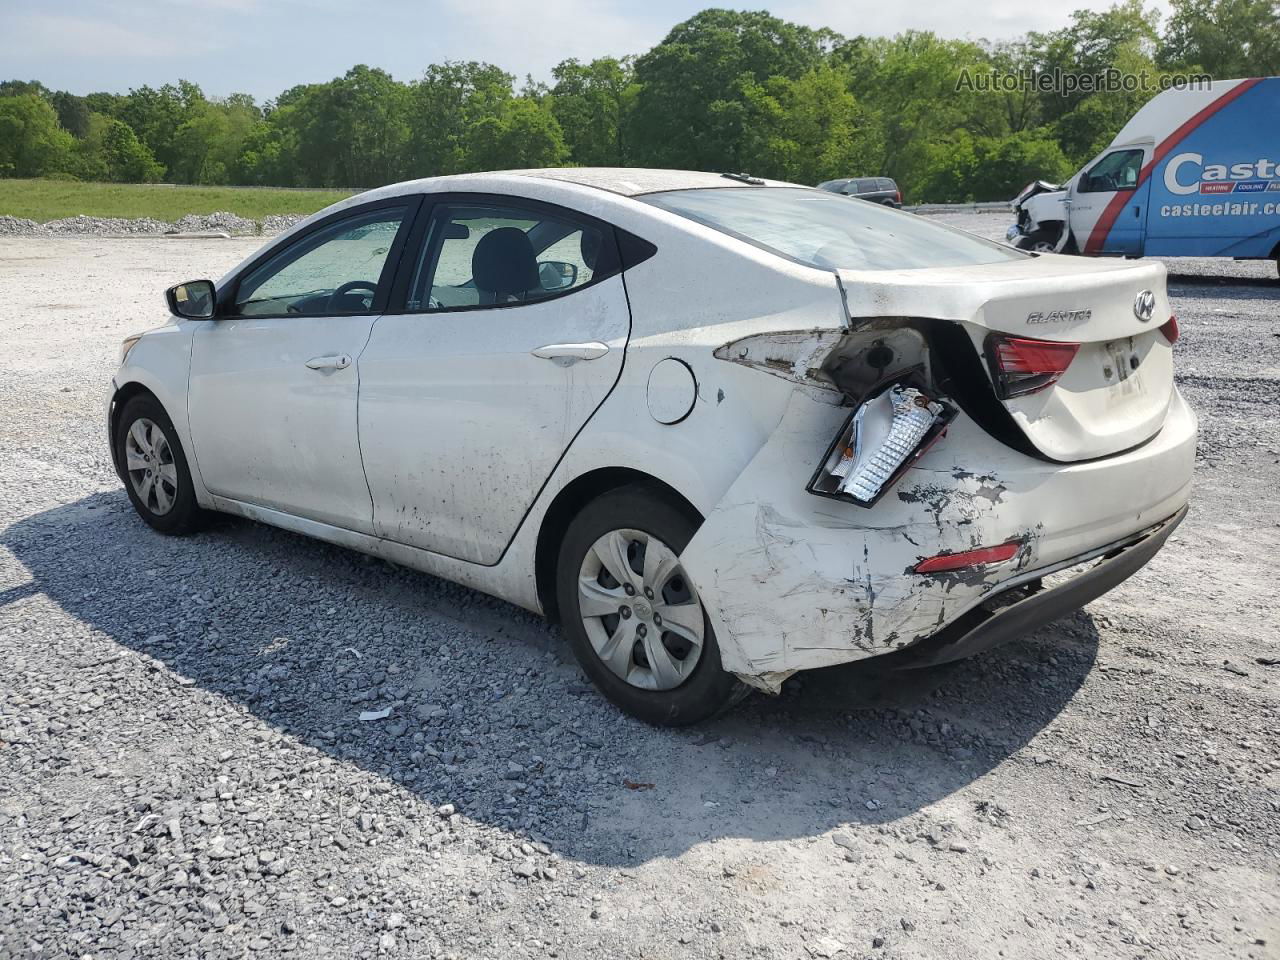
{"x": 557, "y": 275}
{"x": 194, "y": 300}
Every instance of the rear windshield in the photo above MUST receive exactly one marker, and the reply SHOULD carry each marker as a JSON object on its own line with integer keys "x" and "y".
{"x": 831, "y": 232}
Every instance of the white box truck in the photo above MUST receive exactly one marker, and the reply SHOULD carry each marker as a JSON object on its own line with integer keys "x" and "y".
{"x": 1195, "y": 173}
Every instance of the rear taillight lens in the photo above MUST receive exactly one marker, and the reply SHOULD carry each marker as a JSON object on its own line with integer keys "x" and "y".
{"x": 879, "y": 442}
{"x": 1170, "y": 330}
{"x": 897, "y": 196}
{"x": 1021, "y": 365}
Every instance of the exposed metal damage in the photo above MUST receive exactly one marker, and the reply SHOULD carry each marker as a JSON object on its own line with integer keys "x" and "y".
{"x": 846, "y": 584}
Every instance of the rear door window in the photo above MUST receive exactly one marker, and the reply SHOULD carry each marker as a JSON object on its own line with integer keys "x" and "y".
{"x": 497, "y": 254}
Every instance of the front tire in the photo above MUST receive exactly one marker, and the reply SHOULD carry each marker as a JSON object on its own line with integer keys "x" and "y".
{"x": 1040, "y": 241}
{"x": 632, "y": 617}
{"x": 154, "y": 468}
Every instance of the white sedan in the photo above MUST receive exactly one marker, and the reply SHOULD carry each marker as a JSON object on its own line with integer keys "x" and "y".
{"x": 721, "y": 429}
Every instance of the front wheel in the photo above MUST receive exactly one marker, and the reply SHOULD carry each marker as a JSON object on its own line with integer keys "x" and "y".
{"x": 1040, "y": 241}
{"x": 154, "y": 466}
{"x": 633, "y": 618}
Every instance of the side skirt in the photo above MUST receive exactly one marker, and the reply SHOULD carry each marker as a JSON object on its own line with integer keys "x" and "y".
{"x": 491, "y": 580}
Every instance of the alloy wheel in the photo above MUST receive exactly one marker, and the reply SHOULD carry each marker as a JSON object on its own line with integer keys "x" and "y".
{"x": 641, "y": 613}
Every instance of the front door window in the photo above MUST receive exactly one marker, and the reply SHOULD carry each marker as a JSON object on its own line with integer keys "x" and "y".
{"x": 336, "y": 270}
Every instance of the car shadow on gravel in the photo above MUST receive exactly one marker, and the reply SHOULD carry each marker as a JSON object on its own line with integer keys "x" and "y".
{"x": 489, "y": 714}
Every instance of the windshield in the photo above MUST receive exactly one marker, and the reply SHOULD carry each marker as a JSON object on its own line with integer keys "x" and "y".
{"x": 829, "y": 231}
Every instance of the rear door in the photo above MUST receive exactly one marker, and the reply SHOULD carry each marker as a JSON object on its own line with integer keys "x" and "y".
{"x": 511, "y": 327}
{"x": 1108, "y": 203}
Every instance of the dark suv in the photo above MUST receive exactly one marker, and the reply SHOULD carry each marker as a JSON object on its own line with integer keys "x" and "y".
{"x": 876, "y": 189}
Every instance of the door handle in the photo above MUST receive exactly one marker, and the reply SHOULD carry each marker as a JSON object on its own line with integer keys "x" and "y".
{"x": 332, "y": 362}
{"x": 564, "y": 354}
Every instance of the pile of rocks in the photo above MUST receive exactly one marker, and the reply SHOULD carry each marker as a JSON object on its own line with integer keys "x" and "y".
{"x": 86, "y": 226}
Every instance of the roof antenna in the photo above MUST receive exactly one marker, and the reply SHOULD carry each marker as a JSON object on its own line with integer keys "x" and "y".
{"x": 744, "y": 178}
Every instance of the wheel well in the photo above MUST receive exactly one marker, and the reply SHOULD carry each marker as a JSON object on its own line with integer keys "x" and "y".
{"x": 118, "y": 400}
{"x": 568, "y": 503}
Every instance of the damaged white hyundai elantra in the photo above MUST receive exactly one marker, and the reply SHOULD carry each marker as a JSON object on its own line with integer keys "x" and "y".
{"x": 721, "y": 429}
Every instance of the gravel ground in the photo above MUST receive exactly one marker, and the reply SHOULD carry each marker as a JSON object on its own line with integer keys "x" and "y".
{"x": 183, "y": 772}
{"x": 222, "y": 222}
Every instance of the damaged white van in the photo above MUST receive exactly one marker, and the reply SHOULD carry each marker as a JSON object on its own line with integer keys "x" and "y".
{"x": 721, "y": 429}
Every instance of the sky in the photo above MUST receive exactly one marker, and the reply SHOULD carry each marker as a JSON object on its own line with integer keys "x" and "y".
{"x": 262, "y": 47}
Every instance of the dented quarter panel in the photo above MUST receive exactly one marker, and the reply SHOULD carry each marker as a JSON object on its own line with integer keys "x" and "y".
{"x": 799, "y": 581}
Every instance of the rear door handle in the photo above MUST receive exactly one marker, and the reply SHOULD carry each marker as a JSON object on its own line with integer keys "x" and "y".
{"x": 564, "y": 354}
{"x": 339, "y": 361}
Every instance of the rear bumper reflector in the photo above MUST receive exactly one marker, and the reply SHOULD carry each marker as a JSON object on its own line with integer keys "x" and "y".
{"x": 945, "y": 562}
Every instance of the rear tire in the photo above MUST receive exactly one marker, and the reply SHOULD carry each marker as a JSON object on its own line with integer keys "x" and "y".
{"x": 664, "y": 671}
{"x": 154, "y": 468}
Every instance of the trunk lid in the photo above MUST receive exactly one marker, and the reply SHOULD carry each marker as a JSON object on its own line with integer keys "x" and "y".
{"x": 1116, "y": 390}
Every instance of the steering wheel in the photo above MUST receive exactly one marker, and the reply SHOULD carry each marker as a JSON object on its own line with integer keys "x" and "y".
{"x": 337, "y": 295}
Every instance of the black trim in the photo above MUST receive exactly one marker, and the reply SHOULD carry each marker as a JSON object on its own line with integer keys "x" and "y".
{"x": 411, "y": 202}
{"x": 633, "y": 250}
{"x": 993, "y": 623}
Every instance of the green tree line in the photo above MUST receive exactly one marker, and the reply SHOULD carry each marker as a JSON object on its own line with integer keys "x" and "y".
{"x": 725, "y": 90}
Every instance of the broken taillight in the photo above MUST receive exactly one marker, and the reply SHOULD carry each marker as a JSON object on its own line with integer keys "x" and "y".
{"x": 1021, "y": 365}
{"x": 879, "y": 442}
{"x": 1170, "y": 330}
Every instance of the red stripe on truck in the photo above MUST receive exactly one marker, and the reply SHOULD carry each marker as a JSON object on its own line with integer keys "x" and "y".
{"x": 1117, "y": 202}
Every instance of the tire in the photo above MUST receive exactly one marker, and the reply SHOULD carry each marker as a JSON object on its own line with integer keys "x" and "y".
{"x": 672, "y": 690}
{"x": 1039, "y": 241}
{"x": 167, "y": 502}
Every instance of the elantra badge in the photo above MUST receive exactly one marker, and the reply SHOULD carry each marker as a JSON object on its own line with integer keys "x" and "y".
{"x": 1144, "y": 307}
{"x": 1059, "y": 316}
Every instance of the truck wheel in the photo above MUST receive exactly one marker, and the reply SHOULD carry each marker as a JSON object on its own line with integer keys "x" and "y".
{"x": 1039, "y": 241}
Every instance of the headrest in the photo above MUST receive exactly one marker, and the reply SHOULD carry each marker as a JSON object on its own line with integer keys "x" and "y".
{"x": 504, "y": 262}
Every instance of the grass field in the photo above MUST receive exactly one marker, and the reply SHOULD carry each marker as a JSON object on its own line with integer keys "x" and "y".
{"x": 44, "y": 200}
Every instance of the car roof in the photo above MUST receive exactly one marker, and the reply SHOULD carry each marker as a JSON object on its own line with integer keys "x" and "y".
{"x": 624, "y": 181}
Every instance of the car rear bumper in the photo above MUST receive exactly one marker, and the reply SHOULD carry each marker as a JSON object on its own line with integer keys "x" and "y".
{"x": 1028, "y": 604}
{"x": 795, "y": 582}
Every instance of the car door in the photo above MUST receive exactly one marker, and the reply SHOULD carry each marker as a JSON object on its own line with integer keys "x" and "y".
{"x": 275, "y": 377}
{"x": 1108, "y": 204}
{"x": 512, "y": 331}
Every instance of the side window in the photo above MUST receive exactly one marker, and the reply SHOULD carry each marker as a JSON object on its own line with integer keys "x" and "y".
{"x": 480, "y": 255}
{"x": 336, "y": 270}
{"x": 1115, "y": 171}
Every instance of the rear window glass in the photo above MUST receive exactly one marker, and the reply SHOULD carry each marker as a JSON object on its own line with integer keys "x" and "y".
{"x": 826, "y": 231}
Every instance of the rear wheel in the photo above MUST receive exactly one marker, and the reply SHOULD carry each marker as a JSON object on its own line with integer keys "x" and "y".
{"x": 156, "y": 475}
{"x": 633, "y": 618}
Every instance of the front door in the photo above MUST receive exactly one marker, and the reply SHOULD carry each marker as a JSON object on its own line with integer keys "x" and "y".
{"x": 514, "y": 327}
{"x": 274, "y": 382}
{"x": 1108, "y": 204}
